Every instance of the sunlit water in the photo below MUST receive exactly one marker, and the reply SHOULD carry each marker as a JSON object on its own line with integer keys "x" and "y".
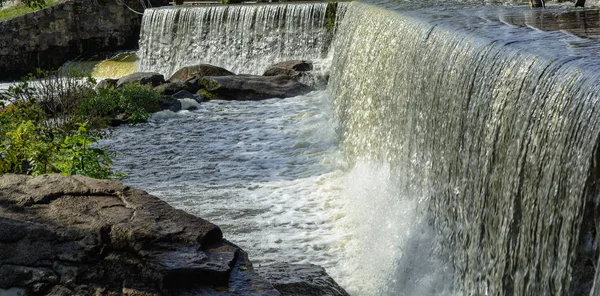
{"x": 271, "y": 175}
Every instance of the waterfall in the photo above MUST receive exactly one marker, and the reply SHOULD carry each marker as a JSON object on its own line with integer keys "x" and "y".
{"x": 242, "y": 38}
{"x": 494, "y": 127}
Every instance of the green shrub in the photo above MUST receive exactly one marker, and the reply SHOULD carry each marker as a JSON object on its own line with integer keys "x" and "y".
{"x": 22, "y": 9}
{"x": 41, "y": 132}
{"x": 77, "y": 156}
{"x": 134, "y": 100}
{"x": 28, "y": 149}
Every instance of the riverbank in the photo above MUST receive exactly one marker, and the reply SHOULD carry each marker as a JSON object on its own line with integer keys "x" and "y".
{"x": 76, "y": 235}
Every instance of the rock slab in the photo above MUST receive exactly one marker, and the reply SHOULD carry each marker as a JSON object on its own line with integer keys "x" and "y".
{"x": 301, "y": 279}
{"x": 251, "y": 87}
{"x": 81, "y": 236}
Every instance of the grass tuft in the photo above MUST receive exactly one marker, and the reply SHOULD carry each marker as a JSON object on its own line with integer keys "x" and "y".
{"x": 21, "y": 9}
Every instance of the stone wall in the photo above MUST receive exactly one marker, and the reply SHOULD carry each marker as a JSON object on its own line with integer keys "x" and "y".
{"x": 49, "y": 37}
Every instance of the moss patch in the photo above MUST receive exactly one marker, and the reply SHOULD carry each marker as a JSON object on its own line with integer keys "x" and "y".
{"x": 208, "y": 95}
{"x": 21, "y": 9}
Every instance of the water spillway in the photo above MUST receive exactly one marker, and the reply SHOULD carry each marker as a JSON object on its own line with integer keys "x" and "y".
{"x": 243, "y": 38}
{"x": 496, "y": 126}
{"x": 454, "y": 152}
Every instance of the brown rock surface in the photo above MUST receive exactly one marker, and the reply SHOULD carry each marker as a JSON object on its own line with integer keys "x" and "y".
{"x": 198, "y": 71}
{"x": 251, "y": 87}
{"x": 81, "y": 236}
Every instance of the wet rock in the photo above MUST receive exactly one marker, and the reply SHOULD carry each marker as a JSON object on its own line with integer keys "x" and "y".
{"x": 251, "y": 87}
{"x": 81, "y": 236}
{"x": 192, "y": 85}
{"x": 144, "y": 78}
{"x": 293, "y": 68}
{"x": 301, "y": 280}
{"x": 188, "y": 100}
{"x": 184, "y": 94}
{"x": 169, "y": 88}
{"x": 198, "y": 71}
{"x": 300, "y": 70}
{"x": 170, "y": 103}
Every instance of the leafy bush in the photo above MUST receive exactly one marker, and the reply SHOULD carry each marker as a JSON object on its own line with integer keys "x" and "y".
{"x": 28, "y": 149}
{"x": 49, "y": 124}
{"x": 134, "y": 100}
{"x": 57, "y": 94}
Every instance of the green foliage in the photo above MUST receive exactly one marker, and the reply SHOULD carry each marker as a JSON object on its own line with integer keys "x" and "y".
{"x": 77, "y": 156}
{"x": 29, "y": 149}
{"x": 134, "y": 100}
{"x": 35, "y": 3}
{"x": 208, "y": 95}
{"x": 43, "y": 129}
{"x": 22, "y": 9}
{"x": 58, "y": 94}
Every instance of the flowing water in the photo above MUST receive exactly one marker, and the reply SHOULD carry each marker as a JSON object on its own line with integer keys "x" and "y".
{"x": 242, "y": 38}
{"x": 494, "y": 124}
{"x": 115, "y": 65}
{"x": 453, "y": 153}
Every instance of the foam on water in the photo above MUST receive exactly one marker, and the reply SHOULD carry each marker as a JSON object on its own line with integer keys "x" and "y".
{"x": 187, "y": 104}
{"x": 389, "y": 247}
{"x": 272, "y": 176}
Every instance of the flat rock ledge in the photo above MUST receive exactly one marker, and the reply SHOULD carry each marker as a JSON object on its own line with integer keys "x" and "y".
{"x": 301, "y": 279}
{"x": 81, "y": 236}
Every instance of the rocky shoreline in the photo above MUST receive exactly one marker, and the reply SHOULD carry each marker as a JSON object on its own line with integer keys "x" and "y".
{"x": 205, "y": 82}
{"x": 81, "y": 236}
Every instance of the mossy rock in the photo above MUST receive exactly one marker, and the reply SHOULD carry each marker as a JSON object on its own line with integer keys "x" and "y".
{"x": 207, "y": 95}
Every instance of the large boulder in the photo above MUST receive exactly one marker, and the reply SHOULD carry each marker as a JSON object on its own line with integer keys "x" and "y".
{"x": 145, "y": 78}
{"x": 293, "y": 68}
{"x": 301, "y": 279}
{"x": 251, "y": 87}
{"x": 81, "y": 236}
{"x": 198, "y": 71}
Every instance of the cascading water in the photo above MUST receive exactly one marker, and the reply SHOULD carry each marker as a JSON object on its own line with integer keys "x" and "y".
{"x": 454, "y": 152}
{"x": 243, "y": 39}
{"x": 101, "y": 66}
{"x": 494, "y": 126}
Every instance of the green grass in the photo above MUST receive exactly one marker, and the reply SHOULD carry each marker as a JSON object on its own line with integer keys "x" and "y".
{"x": 21, "y": 9}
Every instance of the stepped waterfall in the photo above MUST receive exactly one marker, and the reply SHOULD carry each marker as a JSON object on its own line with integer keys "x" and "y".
{"x": 455, "y": 151}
